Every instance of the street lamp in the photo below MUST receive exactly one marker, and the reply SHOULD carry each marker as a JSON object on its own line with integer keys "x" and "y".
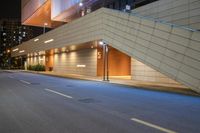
{"x": 81, "y": 3}
{"x": 105, "y": 60}
{"x": 9, "y": 58}
{"x": 45, "y": 24}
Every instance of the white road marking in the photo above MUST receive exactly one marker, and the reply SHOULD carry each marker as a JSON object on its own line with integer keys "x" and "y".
{"x": 61, "y": 94}
{"x": 25, "y": 82}
{"x": 153, "y": 126}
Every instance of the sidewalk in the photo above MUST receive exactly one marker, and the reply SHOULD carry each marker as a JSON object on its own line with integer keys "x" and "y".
{"x": 174, "y": 88}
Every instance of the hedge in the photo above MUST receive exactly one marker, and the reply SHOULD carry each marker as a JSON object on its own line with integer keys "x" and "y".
{"x": 37, "y": 67}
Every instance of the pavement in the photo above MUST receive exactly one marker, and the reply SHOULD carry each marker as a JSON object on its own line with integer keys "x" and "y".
{"x": 32, "y": 103}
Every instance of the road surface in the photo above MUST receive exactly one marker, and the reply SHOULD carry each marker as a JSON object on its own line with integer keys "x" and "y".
{"x": 31, "y": 103}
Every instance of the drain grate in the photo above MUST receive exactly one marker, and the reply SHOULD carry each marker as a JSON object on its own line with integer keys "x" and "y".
{"x": 88, "y": 100}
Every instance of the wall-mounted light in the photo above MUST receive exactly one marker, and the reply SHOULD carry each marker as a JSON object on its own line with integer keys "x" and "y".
{"x": 8, "y": 51}
{"x": 102, "y": 42}
{"x": 22, "y": 51}
{"x": 63, "y": 49}
{"x": 48, "y": 41}
{"x": 14, "y": 50}
{"x": 80, "y": 65}
{"x": 56, "y": 51}
{"x": 37, "y": 39}
{"x": 45, "y": 24}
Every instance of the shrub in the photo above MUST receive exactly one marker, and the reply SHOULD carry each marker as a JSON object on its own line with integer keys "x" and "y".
{"x": 37, "y": 67}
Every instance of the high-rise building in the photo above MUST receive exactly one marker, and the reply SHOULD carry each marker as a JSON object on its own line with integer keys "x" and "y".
{"x": 12, "y": 33}
{"x": 144, "y": 40}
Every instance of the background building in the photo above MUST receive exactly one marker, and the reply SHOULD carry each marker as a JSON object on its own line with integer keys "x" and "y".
{"x": 12, "y": 33}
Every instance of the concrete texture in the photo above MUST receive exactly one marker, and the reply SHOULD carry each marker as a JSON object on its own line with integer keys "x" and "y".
{"x": 181, "y": 12}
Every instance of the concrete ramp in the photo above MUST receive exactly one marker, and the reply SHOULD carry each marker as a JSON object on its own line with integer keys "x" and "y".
{"x": 167, "y": 48}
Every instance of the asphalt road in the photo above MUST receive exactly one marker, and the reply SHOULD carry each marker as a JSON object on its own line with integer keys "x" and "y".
{"x": 31, "y": 103}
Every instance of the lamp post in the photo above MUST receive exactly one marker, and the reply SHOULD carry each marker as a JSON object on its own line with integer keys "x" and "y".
{"x": 21, "y": 61}
{"x": 105, "y": 61}
{"x": 9, "y": 58}
{"x": 44, "y": 28}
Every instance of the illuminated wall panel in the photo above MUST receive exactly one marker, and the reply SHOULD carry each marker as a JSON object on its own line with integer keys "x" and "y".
{"x": 82, "y": 62}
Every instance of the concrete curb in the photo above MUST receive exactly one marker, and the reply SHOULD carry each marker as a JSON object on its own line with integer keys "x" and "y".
{"x": 141, "y": 86}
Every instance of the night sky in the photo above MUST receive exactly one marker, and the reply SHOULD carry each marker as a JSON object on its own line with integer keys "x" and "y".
{"x": 10, "y": 9}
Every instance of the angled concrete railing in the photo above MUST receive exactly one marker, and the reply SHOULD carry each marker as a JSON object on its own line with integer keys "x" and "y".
{"x": 171, "y": 50}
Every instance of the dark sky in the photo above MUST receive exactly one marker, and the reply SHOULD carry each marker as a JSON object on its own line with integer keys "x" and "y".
{"x": 10, "y": 9}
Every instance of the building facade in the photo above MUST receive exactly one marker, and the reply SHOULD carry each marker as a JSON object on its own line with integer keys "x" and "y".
{"x": 119, "y": 43}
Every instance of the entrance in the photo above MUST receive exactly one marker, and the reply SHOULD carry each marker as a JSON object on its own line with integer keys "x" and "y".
{"x": 119, "y": 64}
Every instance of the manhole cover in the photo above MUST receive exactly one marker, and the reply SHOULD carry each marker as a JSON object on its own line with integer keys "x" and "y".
{"x": 88, "y": 100}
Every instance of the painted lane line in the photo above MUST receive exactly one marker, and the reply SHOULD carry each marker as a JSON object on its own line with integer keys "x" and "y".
{"x": 61, "y": 94}
{"x": 23, "y": 81}
{"x": 153, "y": 126}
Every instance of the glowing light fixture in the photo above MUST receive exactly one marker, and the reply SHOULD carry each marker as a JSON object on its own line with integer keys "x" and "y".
{"x": 80, "y": 4}
{"x": 101, "y": 43}
{"x": 14, "y": 50}
{"x": 22, "y": 51}
{"x": 80, "y": 65}
{"x": 48, "y": 41}
{"x": 45, "y": 24}
{"x": 37, "y": 39}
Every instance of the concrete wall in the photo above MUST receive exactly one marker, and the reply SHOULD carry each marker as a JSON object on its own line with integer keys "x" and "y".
{"x": 66, "y": 63}
{"x": 142, "y": 72}
{"x": 182, "y": 12}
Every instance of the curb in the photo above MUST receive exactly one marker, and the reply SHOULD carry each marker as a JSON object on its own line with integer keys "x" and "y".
{"x": 144, "y": 87}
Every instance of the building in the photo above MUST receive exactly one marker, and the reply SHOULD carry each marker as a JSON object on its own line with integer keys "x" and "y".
{"x": 137, "y": 41}
{"x": 12, "y": 33}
